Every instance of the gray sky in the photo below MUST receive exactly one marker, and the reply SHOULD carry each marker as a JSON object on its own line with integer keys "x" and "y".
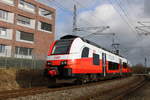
{"x": 122, "y": 17}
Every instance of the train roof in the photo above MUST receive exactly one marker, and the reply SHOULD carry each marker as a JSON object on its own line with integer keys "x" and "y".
{"x": 87, "y": 41}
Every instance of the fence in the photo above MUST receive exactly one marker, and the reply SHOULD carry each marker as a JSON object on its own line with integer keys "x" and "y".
{"x": 13, "y": 62}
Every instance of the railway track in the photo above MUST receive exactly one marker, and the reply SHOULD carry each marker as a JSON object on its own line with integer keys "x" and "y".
{"x": 33, "y": 91}
{"x": 116, "y": 93}
{"x": 128, "y": 90}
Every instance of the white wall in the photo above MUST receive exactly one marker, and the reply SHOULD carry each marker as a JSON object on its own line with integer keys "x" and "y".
{"x": 32, "y": 25}
{"x": 11, "y": 17}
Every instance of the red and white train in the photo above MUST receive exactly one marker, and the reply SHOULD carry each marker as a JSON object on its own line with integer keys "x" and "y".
{"x": 73, "y": 57}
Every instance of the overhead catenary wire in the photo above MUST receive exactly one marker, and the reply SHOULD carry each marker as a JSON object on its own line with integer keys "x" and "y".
{"x": 83, "y": 6}
{"x": 97, "y": 32}
{"x": 130, "y": 6}
{"x": 121, "y": 16}
{"x": 126, "y": 21}
{"x": 124, "y": 10}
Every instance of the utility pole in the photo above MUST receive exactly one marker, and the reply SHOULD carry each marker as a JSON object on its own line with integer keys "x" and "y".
{"x": 74, "y": 20}
{"x": 115, "y": 47}
{"x": 145, "y": 62}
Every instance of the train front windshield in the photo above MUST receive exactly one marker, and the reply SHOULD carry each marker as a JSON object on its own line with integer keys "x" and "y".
{"x": 62, "y": 46}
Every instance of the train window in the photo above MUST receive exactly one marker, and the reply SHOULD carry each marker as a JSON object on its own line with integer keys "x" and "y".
{"x": 96, "y": 59}
{"x": 85, "y": 52}
{"x": 62, "y": 46}
{"x": 124, "y": 65}
{"x": 113, "y": 66}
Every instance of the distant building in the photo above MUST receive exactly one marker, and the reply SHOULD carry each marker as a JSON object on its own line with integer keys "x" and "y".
{"x": 27, "y": 28}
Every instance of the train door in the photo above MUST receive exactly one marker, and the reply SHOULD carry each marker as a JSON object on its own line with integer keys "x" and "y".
{"x": 104, "y": 63}
{"x": 120, "y": 63}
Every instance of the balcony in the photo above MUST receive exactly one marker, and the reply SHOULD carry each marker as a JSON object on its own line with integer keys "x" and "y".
{"x": 6, "y": 16}
{"x": 22, "y": 52}
{"x": 25, "y": 21}
{"x": 5, "y": 51}
{"x": 9, "y": 2}
{"x": 6, "y": 33}
{"x": 45, "y": 13}
{"x": 26, "y": 6}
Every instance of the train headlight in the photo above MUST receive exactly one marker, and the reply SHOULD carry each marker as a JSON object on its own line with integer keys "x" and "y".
{"x": 49, "y": 63}
{"x": 63, "y": 62}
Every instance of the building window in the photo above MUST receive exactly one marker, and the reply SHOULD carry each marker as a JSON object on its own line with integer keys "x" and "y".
{"x": 3, "y": 14}
{"x": 23, "y": 51}
{"x": 46, "y": 26}
{"x": 45, "y": 13}
{"x": 23, "y": 20}
{"x": 8, "y": 1}
{"x": 3, "y": 31}
{"x": 96, "y": 60}
{"x": 26, "y": 6}
{"x": 85, "y": 52}
{"x": 6, "y": 33}
{"x": 2, "y": 48}
{"x": 113, "y": 66}
{"x": 26, "y": 36}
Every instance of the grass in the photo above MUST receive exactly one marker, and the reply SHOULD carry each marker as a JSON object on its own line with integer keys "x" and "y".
{"x": 13, "y": 78}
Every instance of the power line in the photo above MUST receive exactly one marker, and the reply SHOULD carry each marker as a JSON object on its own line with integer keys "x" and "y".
{"x": 143, "y": 29}
{"x": 129, "y": 5}
{"x": 81, "y": 5}
{"x": 60, "y": 6}
{"x": 127, "y": 14}
{"x": 122, "y": 15}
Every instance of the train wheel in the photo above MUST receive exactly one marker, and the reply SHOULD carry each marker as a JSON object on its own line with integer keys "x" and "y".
{"x": 78, "y": 82}
{"x": 52, "y": 82}
{"x": 81, "y": 81}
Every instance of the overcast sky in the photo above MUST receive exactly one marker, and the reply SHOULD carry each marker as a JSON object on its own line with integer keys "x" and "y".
{"x": 122, "y": 17}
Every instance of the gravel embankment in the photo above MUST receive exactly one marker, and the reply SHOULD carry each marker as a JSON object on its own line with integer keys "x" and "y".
{"x": 142, "y": 93}
{"x": 14, "y": 79}
{"x": 79, "y": 93}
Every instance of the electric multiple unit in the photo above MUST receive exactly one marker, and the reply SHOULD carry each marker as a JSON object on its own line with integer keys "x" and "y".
{"x": 75, "y": 57}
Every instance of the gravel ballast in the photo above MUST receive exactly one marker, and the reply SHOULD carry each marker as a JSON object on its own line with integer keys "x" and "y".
{"x": 142, "y": 93}
{"x": 78, "y": 93}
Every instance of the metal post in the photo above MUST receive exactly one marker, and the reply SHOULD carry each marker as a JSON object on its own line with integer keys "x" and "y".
{"x": 145, "y": 64}
{"x": 74, "y": 20}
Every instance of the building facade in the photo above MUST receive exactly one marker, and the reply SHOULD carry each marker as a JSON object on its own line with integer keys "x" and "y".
{"x": 27, "y": 28}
